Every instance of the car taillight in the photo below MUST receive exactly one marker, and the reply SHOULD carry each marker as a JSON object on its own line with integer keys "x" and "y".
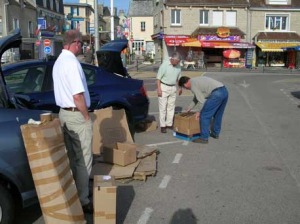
{"x": 143, "y": 91}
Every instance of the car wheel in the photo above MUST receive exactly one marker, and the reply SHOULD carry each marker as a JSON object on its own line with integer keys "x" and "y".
{"x": 6, "y": 206}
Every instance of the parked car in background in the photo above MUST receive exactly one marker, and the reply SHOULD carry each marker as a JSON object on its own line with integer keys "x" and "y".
{"x": 26, "y": 91}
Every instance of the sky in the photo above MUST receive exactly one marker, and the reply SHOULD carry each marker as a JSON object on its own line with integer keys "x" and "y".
{"x": 120, "y": 4}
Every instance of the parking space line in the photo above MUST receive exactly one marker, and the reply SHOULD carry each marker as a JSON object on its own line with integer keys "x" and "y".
{"x": 177, "y": 158}
{"x": 145, "y": 216}
{"x": 164, "y": 143}
{"x": 165, "y": 181}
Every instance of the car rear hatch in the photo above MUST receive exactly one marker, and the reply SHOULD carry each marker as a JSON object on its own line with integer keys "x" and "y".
{"x": 109, "y": 57}
{"x": 12, "y": 40}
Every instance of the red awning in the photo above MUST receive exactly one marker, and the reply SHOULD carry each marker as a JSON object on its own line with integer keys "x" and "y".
{"x": 175, "y": 40}
{"x": 215, "y": 44}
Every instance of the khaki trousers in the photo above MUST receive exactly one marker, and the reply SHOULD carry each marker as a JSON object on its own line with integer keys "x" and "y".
{"x": 166, "y": 105}
{"x": 78, "y": 135}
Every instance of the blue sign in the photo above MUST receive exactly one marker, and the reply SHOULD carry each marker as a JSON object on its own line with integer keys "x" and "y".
{"x": 47, "y": 50}
{"x": 41, "y": 23}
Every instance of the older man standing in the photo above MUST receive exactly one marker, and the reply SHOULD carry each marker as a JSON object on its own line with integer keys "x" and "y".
{"x": 72, "y": 96}
{"x": 167, "y": 77}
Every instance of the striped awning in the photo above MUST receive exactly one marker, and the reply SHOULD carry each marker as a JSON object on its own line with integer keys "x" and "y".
{"x": 275, "y": 47}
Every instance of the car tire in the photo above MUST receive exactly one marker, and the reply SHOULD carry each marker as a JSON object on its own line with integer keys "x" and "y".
{"x": 7, "y": 208}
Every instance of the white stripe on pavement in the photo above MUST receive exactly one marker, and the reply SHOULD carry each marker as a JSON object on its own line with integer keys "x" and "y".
{"x": 164, "y": 143}
{"x": 177, "y": 158}
{"x": 145, "y": 216}
{"x": 165, "y": 181}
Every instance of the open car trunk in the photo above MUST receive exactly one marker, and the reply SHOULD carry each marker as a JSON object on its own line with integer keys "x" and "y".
{"x": 109, "y": 57}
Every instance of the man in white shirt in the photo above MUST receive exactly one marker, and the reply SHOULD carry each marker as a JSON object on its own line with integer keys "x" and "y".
{"x": 72, "y": 96}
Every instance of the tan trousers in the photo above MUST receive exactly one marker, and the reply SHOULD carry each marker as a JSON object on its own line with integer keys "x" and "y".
{"x": 78, "y": 135}
{"x": 166, "y": 104}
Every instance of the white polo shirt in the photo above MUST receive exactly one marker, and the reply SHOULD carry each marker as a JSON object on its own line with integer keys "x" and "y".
{"x": 69, "y": 80}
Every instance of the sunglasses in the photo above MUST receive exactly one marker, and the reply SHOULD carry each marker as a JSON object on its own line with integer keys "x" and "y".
{"x": 78, "y": 41}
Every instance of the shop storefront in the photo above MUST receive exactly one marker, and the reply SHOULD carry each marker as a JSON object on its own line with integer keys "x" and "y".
{"x": 270, "y": 49}
{"x": 294, "y": 53}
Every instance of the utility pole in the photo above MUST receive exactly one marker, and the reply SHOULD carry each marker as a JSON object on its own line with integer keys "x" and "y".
{"x": 96, "y": 25}
{"x": 112, "y": 25}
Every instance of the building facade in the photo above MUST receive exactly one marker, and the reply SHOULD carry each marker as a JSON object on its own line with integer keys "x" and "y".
{"x": 228, "y": 33}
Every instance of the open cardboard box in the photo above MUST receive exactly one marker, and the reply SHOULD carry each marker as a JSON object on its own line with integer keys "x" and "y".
{"x": 120, "y": 153}
{"x": 186, "y": 123}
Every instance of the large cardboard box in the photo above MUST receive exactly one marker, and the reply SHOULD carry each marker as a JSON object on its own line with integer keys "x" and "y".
{"x": 186, "y": 123}
{"x": 109, "y": 126}
{"x": 51, "y": 173}
{"x": 105, "y": 199}
{"x": 120, "y": 153}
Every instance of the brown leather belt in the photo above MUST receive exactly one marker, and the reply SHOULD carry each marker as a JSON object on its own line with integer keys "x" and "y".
{"x": 70, "y": 109}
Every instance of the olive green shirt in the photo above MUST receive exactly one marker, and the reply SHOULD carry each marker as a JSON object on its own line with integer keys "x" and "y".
{"x": 202, "y": 87}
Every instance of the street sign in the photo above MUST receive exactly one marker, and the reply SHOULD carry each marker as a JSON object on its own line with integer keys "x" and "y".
{"x": 47, "y": 42}
{"x": 47, "y": 50}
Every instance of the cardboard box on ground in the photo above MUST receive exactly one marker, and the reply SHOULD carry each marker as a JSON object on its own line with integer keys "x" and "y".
{"x": 186, "y": 123}
{"x": 105, "y": 194}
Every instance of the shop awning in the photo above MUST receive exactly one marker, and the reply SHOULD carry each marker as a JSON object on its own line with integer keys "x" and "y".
{"x": 275, "y": 47}
{"x": 219, "y": 44}
{"x": 194, "y": 43}
{"x": 296, "y": 48}
{"x": 175, "y": 40}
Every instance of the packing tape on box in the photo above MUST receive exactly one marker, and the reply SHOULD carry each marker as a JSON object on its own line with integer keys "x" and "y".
{"x": 59, "y": 216}
{"x": 52, "y": 179}
{"x": 45, "y": 154}
{"x": 105, "y": 215}
{"x": 50, "y": 166}
{"x": 57, "y": 193}
{"x": 63, "y": 205}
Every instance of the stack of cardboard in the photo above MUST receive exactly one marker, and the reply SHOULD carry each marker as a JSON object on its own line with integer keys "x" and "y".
{"x": 119, "y": 155}
{"x": 51, "y": 173}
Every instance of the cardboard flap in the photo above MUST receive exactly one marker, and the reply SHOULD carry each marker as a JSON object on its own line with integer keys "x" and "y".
{"x": 109, "y": 126}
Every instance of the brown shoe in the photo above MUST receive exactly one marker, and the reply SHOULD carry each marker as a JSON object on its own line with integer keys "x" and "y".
{"x": 163, "y": 130}
{"x": 200, "y": 140}
{"x": 88, "y": 208}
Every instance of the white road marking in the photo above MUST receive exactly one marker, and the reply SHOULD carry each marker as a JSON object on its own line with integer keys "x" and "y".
{"x": 244, "y": 84}
{"x": 164, "y": 182}
{"x": 177, "y": 158}
{"x": 164, "y": 143}
{"x": 145, "y": 216}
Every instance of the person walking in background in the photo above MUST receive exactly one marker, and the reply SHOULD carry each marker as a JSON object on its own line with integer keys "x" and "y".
{"x": 88, "y": 56}
{"x": 211, "y": 96}
{"x": 167, "y": 77}
{"x": 72, "y": 96}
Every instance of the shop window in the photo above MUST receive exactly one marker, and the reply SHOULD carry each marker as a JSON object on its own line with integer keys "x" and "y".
{"x": 143, "y": 26}
{"x": 277, "y": 22}
{"x": 204, "y": 17}
{"x": 230, "y": 18}
{"x": 217, "y": 18}
{"x": 175, "y": 17}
